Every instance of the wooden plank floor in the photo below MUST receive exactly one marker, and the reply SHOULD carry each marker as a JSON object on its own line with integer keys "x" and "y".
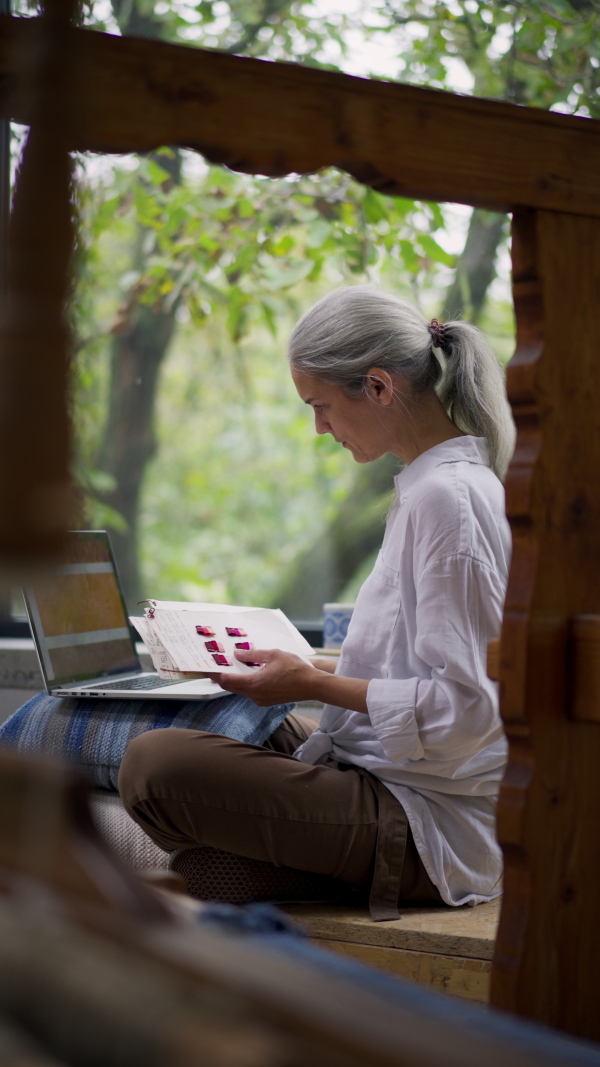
{"x": 448, "y": 949}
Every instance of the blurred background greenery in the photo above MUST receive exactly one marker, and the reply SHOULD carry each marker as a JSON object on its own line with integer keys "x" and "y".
{"x": 192, "y": 446}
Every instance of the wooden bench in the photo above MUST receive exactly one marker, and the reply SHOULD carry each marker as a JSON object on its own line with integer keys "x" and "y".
{"x": 448, "y": 949}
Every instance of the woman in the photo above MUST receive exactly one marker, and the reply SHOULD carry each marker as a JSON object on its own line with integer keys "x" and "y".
{"x": 396, "y": 790}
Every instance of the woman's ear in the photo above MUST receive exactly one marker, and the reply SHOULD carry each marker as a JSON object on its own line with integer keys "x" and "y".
{"x": 379, "y": 386}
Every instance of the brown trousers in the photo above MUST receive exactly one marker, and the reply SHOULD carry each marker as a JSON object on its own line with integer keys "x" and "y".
{"x": 187, "y": 788}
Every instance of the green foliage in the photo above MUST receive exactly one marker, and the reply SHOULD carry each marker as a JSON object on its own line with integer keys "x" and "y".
{"x": 240, "y": 483}
{"x": 224, "y": 244}
{"x": 544, "y": 53}
{"x": 277, "y": 29}
{"x": 228, "y": 241}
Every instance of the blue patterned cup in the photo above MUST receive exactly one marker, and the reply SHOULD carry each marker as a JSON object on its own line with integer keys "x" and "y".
{"x": 336, "y": 618}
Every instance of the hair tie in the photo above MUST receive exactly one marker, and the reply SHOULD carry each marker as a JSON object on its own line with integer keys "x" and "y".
{"x": 437, "y": 330}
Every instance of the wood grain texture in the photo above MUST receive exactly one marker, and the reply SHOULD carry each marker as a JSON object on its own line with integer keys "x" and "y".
{"x": 35, "y": 458}
{"x": 584, "y": 668}
{"x": 465, "y": 978}
{"x": 467, "y": 932}
{"x": 278, "y": 118}
{"x": 493, "y": 660}
{"x": 546, "y": 963}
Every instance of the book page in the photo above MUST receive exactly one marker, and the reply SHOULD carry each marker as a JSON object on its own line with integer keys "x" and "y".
{"x": 172, "y": 630}
{"x": 161, "y": 660}
{"x": 160, "y": 657}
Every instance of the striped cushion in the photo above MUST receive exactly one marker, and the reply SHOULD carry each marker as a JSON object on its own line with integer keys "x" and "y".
{"x": 95, "y": 733}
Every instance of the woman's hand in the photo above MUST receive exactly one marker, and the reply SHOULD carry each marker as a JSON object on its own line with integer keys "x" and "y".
{"x": 282, "y": 677}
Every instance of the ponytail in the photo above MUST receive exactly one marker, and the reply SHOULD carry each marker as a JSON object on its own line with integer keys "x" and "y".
{"x": 353, "y": 329}
{"x": 471, "y": 389}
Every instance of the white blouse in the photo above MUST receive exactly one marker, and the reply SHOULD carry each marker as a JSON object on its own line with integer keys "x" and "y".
{"x": 419, "y": 634}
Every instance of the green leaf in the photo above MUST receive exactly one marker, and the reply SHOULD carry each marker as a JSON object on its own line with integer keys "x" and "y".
{"x": 245, "y": 208}
{"x": 318, "y": 232}
{"x": 103, "y": 517}
{"x": 269, "y": 317}
{"x": 437, "y": 215}
{"x": 283, "y": 246}
{"x": 100, "y": 481}
{"x": 156, "y": 173}
{"x": 375, "y": 207}
{"x": 410, "y": 258}
{"x": 403, "y": 206}
{"x": 236, "y": 313}
{"x": 315, "y": 273}
{"x": 282, "y": 277}
{"x": 435, "y": 251}
{"x": 146, "y": 206}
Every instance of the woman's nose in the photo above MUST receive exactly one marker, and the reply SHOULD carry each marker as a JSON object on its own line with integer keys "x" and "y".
{"x": 321, "y": 424}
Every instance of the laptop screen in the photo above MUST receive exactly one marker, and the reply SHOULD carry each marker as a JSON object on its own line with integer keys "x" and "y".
{"x": 78, "y": 617}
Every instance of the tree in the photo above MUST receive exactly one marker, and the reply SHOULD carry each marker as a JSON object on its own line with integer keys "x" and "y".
{"x": 235, "y": 246}
{"x": 146, "y": 321}
{"x": 320, "y": 572}
{"x": 144, "y": 330}
{"x": 543, "y": 54}
{"x": 476, "y": 267}
{"x": 141, "y": 338}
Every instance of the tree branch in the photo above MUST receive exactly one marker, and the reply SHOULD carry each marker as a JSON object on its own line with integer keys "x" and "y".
{"x": 270, "y": 8}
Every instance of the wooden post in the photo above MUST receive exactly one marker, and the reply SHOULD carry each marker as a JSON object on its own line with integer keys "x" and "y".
{"x": 35, "y": 483}
{"x": 548, "y": 951}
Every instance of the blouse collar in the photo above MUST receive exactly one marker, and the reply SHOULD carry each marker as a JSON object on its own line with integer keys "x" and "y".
{"x": 466, "y": 449}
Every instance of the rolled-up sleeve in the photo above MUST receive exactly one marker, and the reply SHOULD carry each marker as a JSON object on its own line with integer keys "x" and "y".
{"x": 453, "y": 714}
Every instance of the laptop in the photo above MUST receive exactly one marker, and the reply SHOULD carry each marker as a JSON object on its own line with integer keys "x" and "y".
{"x": 83, "y": 638}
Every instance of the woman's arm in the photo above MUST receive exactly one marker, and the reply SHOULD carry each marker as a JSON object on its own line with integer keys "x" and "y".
{"x": 325, "y": 663}
{"x": 284, "y": 677}
{"x": 452, "y": 714}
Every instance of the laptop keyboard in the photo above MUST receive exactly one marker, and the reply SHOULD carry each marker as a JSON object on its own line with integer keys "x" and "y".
{"x": 134, "y": 683}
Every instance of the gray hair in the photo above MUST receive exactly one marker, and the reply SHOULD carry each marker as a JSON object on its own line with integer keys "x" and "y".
{"x": 356, "y": 328}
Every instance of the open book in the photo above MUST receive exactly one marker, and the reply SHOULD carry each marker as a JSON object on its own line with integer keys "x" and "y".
{"x": 187, "y": 640}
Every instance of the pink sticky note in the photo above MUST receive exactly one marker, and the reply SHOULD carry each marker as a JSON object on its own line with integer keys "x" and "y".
{"x": 205, "y": 631}
{"x": 221, "y": 660}
{"x": 236, "y": 631}
{"x": 247, "y": 645}
{"x": 214, "y": 646}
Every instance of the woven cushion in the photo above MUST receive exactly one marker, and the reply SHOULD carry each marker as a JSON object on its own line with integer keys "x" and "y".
{"x": 95, "y": 733}
{"x": 124, "y": 835}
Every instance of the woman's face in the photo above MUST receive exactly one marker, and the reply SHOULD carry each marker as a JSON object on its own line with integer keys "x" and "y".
{"x": 357, "y": 423}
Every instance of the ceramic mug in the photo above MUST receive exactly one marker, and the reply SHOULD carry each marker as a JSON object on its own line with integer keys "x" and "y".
{"x": 336, "y": 618}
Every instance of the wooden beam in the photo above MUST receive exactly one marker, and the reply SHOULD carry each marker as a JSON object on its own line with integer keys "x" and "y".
{"x": 546, "y": 963}
{"x": 278, "y": 118}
